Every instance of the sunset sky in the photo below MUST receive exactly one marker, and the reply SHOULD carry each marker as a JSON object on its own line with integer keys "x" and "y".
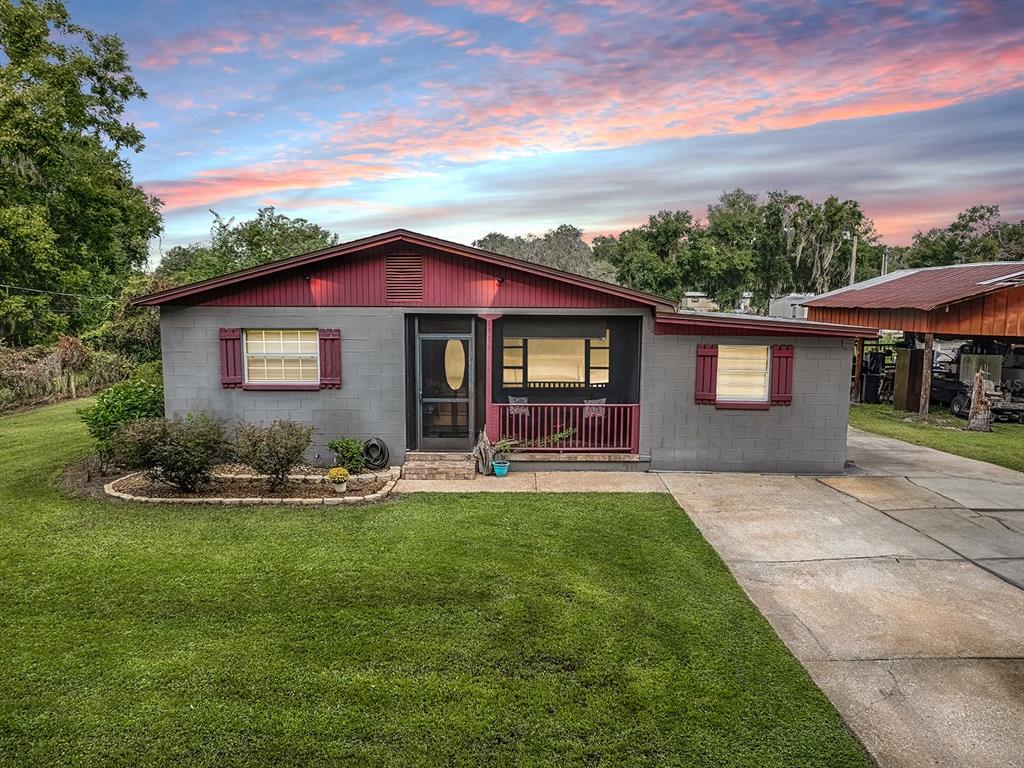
{"x": 461, "y": 117}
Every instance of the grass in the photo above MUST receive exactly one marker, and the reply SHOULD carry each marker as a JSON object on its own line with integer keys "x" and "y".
{"x": 455, "y": 630}
{"x": 1004, "y": 445}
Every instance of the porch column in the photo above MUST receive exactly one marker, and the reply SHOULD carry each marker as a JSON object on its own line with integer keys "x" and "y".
{"x": 926, "y": 375}
{"x": 491, "y": 424}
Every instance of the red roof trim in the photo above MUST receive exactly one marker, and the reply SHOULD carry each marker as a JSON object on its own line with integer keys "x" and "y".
{"x": 354, "y": 246}
{"x": 697, "y": 323}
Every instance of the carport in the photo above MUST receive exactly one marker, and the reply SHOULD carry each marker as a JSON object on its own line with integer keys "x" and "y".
{"x": 981, "y": 302}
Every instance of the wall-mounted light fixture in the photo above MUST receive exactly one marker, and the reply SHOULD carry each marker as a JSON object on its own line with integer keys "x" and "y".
{"x": 501, "y": 280}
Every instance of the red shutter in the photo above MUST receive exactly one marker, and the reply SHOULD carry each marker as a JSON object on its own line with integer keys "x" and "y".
{"x": 230, "y": 357}
{"x": 707, "y": 372}
{"x": 782, "y": 374}
{"x": 330, "y": 358}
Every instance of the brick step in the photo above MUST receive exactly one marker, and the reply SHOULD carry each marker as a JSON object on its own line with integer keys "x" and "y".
{"x": 435, "y": 465}
{"x": 441, "y": 471}
{"x": 438, "y": 456}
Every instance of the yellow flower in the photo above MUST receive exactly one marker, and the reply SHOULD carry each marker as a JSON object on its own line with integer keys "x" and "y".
{"x": 337, "y": 475}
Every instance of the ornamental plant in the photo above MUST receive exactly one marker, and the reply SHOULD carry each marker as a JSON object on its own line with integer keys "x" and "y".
{"x": 139, "y": 397}
{"x": 348, "y": 453}
{"x": 273, "y": 450}
{"x": 178, "y": 452}
{"x": 338, "y": 475}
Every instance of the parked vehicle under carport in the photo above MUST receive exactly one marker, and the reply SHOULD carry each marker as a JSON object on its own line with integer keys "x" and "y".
{"x": 948, "y": 390}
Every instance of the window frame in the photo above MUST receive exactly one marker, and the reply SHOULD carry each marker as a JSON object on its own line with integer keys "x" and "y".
{"x": 294, "y": 385}
{"x": 746, "y": 403}
{"x": 588, "y": 367}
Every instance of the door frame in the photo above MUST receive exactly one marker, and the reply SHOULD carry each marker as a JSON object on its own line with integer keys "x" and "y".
{"x": 446, "y": 444}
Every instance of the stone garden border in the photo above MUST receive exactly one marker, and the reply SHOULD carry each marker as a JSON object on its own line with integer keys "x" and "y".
{"x": 390, "y": 477}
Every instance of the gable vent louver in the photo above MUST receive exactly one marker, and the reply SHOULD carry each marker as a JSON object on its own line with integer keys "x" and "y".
{"x": 404, "y": 279}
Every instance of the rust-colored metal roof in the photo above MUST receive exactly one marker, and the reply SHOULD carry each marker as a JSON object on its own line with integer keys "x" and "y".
{"x": 925, "y": 289}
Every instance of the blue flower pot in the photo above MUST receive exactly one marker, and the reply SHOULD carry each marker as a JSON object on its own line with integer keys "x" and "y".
{"x": 500, "y": 468}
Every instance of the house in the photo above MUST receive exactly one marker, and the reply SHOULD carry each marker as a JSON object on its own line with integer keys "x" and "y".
{"x": 423, "y": 342}
{"x": 790, "y": 305}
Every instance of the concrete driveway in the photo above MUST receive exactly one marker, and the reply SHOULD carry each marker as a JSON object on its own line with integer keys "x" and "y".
{"x": 900, "y": 587}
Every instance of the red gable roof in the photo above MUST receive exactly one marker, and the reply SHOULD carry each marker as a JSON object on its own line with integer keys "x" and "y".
{"x": 924, "y": 289}
{"x": 257, "y": 283}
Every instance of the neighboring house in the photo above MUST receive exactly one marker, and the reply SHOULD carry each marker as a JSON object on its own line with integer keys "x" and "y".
{"x": 424, "y": 342}
{"x": 790, "y": 305}
{"x": 699, "y": 301}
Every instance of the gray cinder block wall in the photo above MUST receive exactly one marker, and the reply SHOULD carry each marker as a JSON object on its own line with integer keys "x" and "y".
{"x": 371, "y": 401}
{"x": 808, "y": 436}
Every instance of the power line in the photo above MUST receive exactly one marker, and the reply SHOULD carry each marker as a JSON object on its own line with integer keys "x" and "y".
{"x": 58, "y": 293}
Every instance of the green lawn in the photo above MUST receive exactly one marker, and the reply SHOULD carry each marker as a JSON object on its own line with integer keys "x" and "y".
{"x": 436, "y": 630}
{"x": 1004, "y": 445}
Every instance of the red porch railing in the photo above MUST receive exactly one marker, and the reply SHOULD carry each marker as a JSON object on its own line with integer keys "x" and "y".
{"x": 608, "y": 428}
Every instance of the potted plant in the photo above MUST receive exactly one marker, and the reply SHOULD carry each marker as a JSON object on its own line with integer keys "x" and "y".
{"x": 339, "y": 477}
{"x": 500, "y": 452}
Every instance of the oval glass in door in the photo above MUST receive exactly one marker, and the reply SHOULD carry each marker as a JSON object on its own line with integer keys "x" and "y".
{"x": 444, "y": 368}
{"x": 455, "y": 364}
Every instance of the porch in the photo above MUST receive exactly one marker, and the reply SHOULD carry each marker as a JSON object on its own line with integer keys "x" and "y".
{"x": 563, "y": 387}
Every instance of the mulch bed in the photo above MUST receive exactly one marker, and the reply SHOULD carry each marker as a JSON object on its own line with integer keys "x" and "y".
{"x": 143, "y": 485}
{"x": 245, "y": 469}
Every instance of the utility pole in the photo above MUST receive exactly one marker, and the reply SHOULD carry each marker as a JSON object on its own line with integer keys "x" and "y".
{"x": 885, "y": 260}
{"x": 853, "y": 262}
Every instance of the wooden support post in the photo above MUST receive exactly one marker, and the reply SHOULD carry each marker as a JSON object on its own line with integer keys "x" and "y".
{"x": 858, "y": 366}
{"x": 926, "y": 375}
{"x": 491, "y": 423}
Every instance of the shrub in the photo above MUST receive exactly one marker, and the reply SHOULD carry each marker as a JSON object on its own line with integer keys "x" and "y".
{"x": 152, "y": 372}
{"x": 178, "y": 452}
{"x": 139, "y": 397}
{"x": 348, "y": 453}
{"x": 274, "y": 449}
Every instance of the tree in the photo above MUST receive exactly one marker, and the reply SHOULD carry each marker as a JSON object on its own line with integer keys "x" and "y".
{"x": 772, "y": 274}
{"x": 560, "y": 248}
{"x": 71, "y": 219}
{"x": 131, "y": 332}
{"x": 977, "y": 234}
{"x": 724, "y": 258}
{"x": 269, "y": 237}
{"x": 650, "y": 257}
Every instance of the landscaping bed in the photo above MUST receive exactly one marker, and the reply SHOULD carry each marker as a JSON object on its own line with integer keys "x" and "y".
{"x": 239, "y": 490}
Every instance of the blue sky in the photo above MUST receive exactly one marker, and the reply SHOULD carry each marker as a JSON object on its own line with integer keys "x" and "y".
{"x": 461, "y": 117}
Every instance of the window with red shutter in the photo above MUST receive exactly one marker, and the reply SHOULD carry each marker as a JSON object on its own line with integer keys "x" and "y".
{"x": 779, "y": 384}
{"x": 782, "y": 374}
{"x": 707, "y": 372}
{"x": 330, "y": 358}
{"x": 231, "y": 357}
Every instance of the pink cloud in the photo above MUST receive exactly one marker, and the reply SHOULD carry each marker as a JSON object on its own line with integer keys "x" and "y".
{"x": 521, "y": 11}
{"x": 216, "y": 184}
{"x": 195, "y": 48}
